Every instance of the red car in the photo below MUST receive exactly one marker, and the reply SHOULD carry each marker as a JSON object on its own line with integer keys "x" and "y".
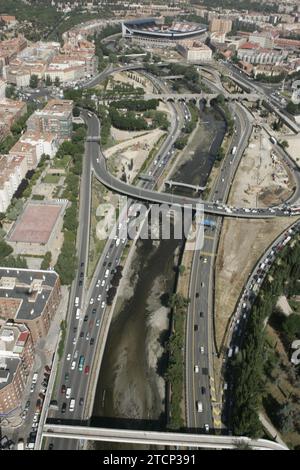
{"x": 63, "y": 389}
{"x": 87, "y": 369}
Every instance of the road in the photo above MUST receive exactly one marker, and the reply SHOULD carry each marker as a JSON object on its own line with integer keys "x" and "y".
{"x": 199, "y": 334}
{"x": 86, "y": 328}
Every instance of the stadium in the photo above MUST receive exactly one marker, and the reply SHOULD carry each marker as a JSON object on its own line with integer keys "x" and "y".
{"x": 147, "y": 31}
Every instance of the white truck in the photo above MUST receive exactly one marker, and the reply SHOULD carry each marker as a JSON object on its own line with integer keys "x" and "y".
{"x": 34, "y": 378}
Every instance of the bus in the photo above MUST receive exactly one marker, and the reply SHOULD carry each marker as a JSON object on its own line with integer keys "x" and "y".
{"x": 81, "y": 363}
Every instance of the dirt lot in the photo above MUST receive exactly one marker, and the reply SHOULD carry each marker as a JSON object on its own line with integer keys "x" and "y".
{"x": 135, "y": 150}
{"x": 132, "y": 78}
{"x": 261, "y": 180}
{"x": 243, "y": 242}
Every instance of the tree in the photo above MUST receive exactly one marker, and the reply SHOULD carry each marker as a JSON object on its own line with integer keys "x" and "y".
{"x": 181, "y": 269}
{"x": 34, "y": 80}
{"x": 5, "y": 249}
{"x": 284, "y": 144}
{"x": 48, "y": 80}
{"x": 46, "y": 261}
{"x": 76, "y": 111}
{"x": 57, "y": 81}
{"x": 291, "y": 327}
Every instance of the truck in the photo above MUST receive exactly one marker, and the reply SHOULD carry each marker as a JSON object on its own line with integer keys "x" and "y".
{"x": 34, "y": 378}
{"x": 233, "y": 151}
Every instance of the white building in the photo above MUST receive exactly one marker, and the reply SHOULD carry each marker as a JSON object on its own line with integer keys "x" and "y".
{"x": 12, "y": 171}
{"x": 194, "y": 51}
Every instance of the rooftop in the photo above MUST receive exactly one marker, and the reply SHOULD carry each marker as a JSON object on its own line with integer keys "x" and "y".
{"x": 31, "y": 288}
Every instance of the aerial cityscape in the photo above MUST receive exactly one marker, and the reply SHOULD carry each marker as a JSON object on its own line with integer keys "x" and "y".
{"x": 150, "y": 226}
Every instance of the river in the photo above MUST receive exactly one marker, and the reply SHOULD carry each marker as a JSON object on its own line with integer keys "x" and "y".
{"x": 131, "y": 389}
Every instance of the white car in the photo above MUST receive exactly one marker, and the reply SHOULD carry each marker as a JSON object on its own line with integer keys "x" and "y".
{"x": 68, "y": 356}
{"x": 103, "y": 283}
{"x": 74, "y": 340}
{"x": 99, "y": 297}
{"x": 98, "y": 322}
{"x": 73, "y": 365}
{"x": 206, "y": 427}
{"x": 103, "y": 304}
{"x": 202, "y": 349}
{"x": 196, "y": 369}
{"x": 91, "y": 301}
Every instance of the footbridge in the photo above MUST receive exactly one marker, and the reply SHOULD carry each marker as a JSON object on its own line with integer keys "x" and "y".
{"x": 155, "y": 437}
{"x": 170, "y": 184}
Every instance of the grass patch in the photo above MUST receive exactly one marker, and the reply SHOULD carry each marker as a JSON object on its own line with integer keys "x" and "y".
{"x": 51, "y": 179}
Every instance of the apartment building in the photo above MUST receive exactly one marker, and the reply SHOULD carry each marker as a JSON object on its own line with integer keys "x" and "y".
{"x": 16, "y": 360}
{"x": 10, "y": 48}
{"x": 219, "y": 25}
{"x": 264, "y": 39}
{"x": 55, "y": 118}
{"x": 12, "y": 170}
{"x": 27, "y": 150}
{"x": 254, "y": 54}
{"x": 29, "y": 297}
{"x": 194, "y": 51}
{"x": 11, "y": 111}
{"x": 2, "y": 89}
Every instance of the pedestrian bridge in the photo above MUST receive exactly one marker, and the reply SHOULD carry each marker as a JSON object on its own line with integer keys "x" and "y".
{"x": 171, "y": 183}
{"x": 155, "y": 437}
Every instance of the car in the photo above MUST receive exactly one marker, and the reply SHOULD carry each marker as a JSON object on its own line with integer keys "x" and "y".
{"x": 80, "y": 283}
{"x": 197, "y": 295}
{"x": 202, "y": 284}
{"x": 103, "y": 283}
{"x": 86, "y": 369}
{"x": 81, "y": 274}
{"x": 196, "y": 369}
{"x": 75, "y": 329}
{"x": 81, "y": 401}
{"x": 76, "y": 354}
{"x": 98, "y": 322}
{"x": 32, "y": 388}
{"x": 92, "y": 341}
{"x": 74, "y": 340}
{"x": 73, "y": 365}
{"x": 203, "y": 390}
{"x": 51, "y": 445}
{"x": 201, "y": 314}
{"x": 68, "y": 356}
{"x": 91, "y": 301}
{"x": 63, "y": 407}
{"x": 195, "y": 327}
{"x": 81, "y": 334}
{"x": 27, "y": 405}
{"x": 86, "y": 318}
{"x": 66, "y": 376}
{"x": 103, "y": 304}
{"x": 63, "y": 389}
{"x": 206, "y": 427}
{"x": 93, "y": 311}
{"x": 82, "y": 264}
{"x": 204, "y": 260}
{"x": 202, "y": 349}
{"x": 87, "y": 336}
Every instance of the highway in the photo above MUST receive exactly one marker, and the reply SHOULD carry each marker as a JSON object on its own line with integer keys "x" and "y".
{"x": 199, "y": 333}
{"x": 83, "y": 332}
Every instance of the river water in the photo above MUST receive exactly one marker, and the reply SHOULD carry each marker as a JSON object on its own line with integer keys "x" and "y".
{"x": 131, "y": 389}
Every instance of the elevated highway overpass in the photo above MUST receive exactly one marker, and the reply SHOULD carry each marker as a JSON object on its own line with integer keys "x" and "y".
{"x": 157, "y": 438}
